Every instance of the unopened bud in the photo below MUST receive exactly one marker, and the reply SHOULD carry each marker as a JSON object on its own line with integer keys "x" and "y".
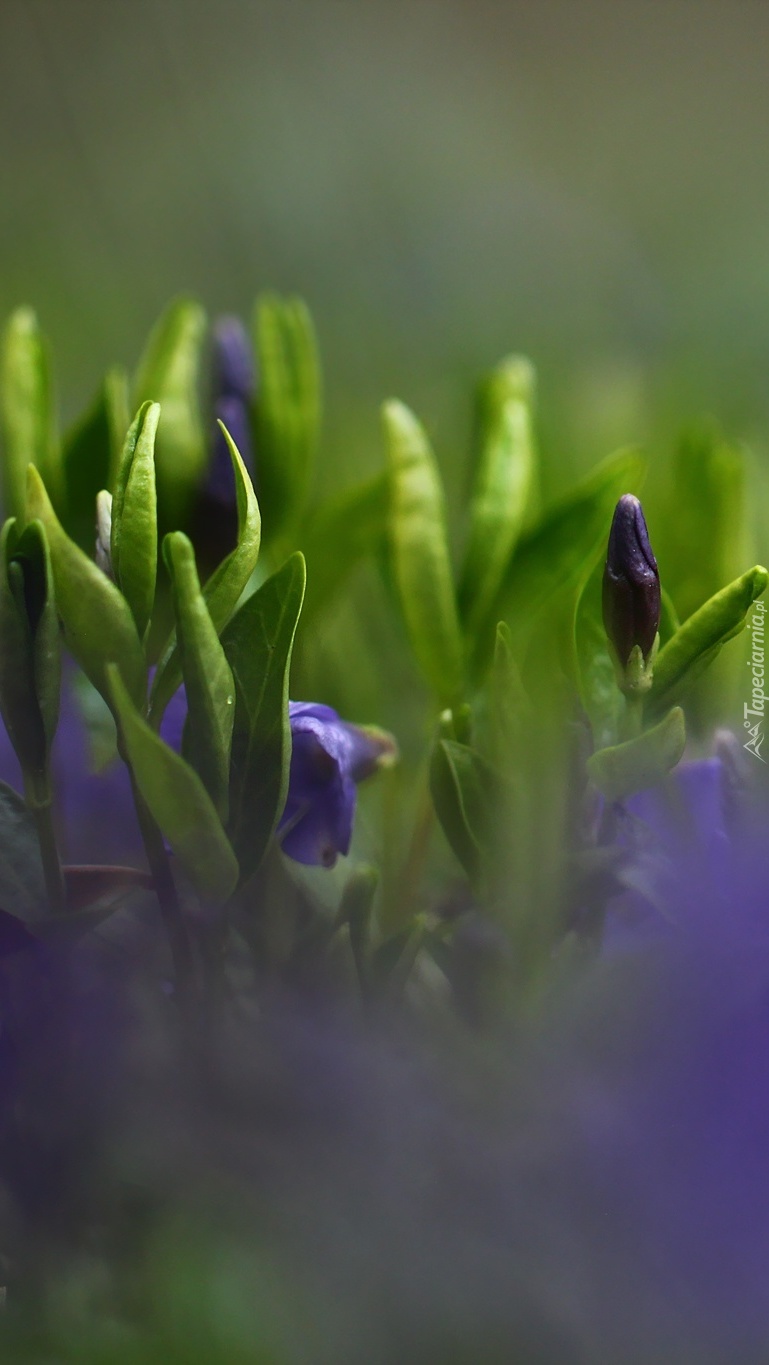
{"x": 103, "y": 555}
{"x": 631, "y": 596}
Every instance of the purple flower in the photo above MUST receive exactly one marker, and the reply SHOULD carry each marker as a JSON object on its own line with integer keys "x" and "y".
{"x": 685, "y": 842}
{"x": 234, "y": 382}
{"x": 328, "y": 758}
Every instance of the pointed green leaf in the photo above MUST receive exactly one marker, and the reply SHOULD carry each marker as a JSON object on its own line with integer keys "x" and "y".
{"x": 288, "y": 408}
{"x": 29, "y": 647}
{"x": 462, "y": 786}
{"x": 417, "y": 526}
{"x": 22, "y": 888}
{"x": 701, "y": 636}
{"x": 169, "y": 374}
{"x": 97, "y": 619}
{"x": 596, "y": 677}
{"x": 91, "y": 454}
{"x": 207, "y": 677}
{"x": 502, "y": 484}
{"x": 708, "y": 498}
{"x": 177, "y": 801}
{"x": 223, "y": 589}
{"x": 134, "y": 537}
{"x": 258, "y": 643}
{"x": 341, "y": 533}
{"x": 639, "y": 763}
{"x": 509, "y": 704}
{"x": 559, "y": 552}
{"x": 669, "y": 622}
{"x": 27, "y": 410}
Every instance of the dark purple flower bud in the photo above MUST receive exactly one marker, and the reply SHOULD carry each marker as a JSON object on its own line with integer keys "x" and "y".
{"x": 329, "y": 756}
{"x": 631, "y": 583}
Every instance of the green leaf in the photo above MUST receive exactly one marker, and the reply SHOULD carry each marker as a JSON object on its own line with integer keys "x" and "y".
{"x": 258, "y": 643}
{"x": 169, "y": 373}
{"x": 134, "y": 538}
{"x": 701, "y": 636}
{"x": 669, "y": 622}
{"x": 97, "y": 619}
{"x": 22, "y": 888}
{"x": 177, "y": 801}
{"x": 27, "y": 410}
{"x": 560, "y": 551}
{"x": 288, "y": 409}
{"x": 417, "y": 526}
{"x": 223, "y": 589}
{"x": 509, "y": 705}
{"x": 30, "y": 663}
{"x": 502, "y": 486}
{"x": 708, "y": 496}
{"x": 596, "y": 677}
{"x": 207, "y": 677}
{"x": 341, "y": 533}
{"x": 639, "y": 763}
{"x": 91, "y": 454}
{"x": 462, "y": 786}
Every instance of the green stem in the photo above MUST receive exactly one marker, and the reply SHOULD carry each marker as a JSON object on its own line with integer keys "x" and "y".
{"x": 631, "y": 721}
{"x": 168, "y": 899}
{"x": 49, "y": 854}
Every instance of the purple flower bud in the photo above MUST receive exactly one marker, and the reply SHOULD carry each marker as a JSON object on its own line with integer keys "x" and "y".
{"x": 233, "y": 374}
{"x": 234, "y": 382}
{"x": 233, "y": 361}
{"x": 631, "y": 583}
{"x": 329, "y": 756}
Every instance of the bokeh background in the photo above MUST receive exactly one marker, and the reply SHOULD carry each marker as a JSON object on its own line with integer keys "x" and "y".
{"x": 444, "y": 180}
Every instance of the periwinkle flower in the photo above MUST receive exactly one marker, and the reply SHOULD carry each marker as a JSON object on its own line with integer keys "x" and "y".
{"x": 233, "y": 375}
{"x": 631, "y": 595}
{"x": 234, "y": 383}
{"x": 329, "y": 757}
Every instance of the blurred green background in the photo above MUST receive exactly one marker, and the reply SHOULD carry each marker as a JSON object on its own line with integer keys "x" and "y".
{"x": 586, "y": 182}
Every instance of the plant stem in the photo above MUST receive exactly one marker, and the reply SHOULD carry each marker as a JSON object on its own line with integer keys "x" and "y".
{"x": 49, "y": 854}
{"x": 168, "y": 899}
{"x": 631, "y": 721}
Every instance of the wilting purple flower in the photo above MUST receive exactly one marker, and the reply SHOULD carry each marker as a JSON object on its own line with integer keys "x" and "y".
{"x": 631, "y": 583}
{"x": 328, "y": 758}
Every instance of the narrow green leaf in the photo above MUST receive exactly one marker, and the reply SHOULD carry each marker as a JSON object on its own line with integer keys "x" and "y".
{"x": 341, "y": 533}
{"x": 177, "y": 801}
{"x": 258, "y": 643}
{"x": 558, "y": 552}
{"x": 596, "y": 678}
{"x": 97, "y": 619}
{"x": 207, "y": 677}
{"x": 417, "y": 526}
{"x": 18, "y": 702}
{"x": 509, "y": 704}
{"x": 502, "y": 485}
{"x": 639, "y": 763}
{"x": 169, "y": 373}
{"x": 701, "y": 637}
{"x": 708, "y": 496}
{"x": 669, "y": 622}
{"x": 288, "y": 409}
{"x": 91, "y": 454}
{"x": 27, "y": 410}
{"x": 223, "y": 589}
{"x": 462, "y": 786}
{"x": 134, "y": 537}
{"x": 22, "y": 888}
